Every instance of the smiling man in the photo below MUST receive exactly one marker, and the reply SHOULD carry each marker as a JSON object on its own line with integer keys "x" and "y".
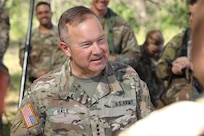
{"x": 88, "y": 95}
{"x": 44, "y": 43}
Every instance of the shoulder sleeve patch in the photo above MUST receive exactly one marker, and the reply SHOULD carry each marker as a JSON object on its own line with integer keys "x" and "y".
{"x": 29, "y": 116}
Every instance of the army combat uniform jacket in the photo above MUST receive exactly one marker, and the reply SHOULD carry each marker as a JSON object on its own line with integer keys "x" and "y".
{"x": 178, "y": 87}
{"x": 4, "y": 30}
{"x": 60, "y": 106}
{"x": 44, "y": 48}
{"x": 146, "y": 68}
{"x": 121, "y": 39}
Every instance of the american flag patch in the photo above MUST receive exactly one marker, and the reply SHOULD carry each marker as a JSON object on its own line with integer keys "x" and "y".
{"x": 29, "y": 116}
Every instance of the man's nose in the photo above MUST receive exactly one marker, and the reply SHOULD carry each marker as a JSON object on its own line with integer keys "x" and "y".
{"x": 96, "y": 48}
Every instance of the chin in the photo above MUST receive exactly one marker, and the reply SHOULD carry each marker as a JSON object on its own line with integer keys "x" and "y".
{"x": 99, "y": 67}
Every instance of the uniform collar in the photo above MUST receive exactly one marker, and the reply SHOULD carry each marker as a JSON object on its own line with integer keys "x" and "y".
{"x": 69, "y": 89}
{"x": 53, "y": 31}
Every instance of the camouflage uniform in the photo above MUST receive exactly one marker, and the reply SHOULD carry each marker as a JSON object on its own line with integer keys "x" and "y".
{"x": 4, "y": 31}
{"x": 121, "y": 39}
{"x": 63, "y": 107}
{"x": 177, "y": 87}
{"x": 146, "y": 68}
{"x": 44, "y": 48}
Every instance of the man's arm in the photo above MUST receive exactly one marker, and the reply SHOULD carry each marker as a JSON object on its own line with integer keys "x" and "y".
{"x": 164, "y": 66}
{"x": 28, "y": 123}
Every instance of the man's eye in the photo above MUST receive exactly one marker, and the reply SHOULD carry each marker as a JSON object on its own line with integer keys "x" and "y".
{"x": 86, "y": 44}
{"x": 101, "y": 40}
{"x": 43, "y": 12}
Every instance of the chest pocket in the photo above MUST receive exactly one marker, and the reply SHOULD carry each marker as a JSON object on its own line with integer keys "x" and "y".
{"x": 67, "y": 118}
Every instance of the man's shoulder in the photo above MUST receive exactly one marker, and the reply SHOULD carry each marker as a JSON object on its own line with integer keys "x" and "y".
{"x": 50, "y": 80}
{"x": 176, "y": 41}
{"x": 54, "y": 30}
{"x": 121, "y": 69}
{"x": 35, "y": 31}
{"x": 118, "y": 65}
{"x": 118, "y": 19}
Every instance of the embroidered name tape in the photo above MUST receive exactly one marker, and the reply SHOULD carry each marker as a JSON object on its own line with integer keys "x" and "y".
{"x": 29, "y": 116}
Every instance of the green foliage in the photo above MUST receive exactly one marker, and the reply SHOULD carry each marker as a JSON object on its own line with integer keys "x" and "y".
{"x": 143, "y": 15}
{"x": 18, "y": 11}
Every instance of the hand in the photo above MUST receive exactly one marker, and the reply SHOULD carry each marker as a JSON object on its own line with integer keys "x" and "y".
{"x": 179, "y": 64}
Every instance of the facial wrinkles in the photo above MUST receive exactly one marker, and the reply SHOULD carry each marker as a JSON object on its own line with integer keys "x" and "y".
{"x": 90, "y": 59}
{"x": 86, "y": 38}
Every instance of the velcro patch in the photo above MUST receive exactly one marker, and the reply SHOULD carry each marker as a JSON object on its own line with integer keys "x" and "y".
{"x": 29, "y": 116}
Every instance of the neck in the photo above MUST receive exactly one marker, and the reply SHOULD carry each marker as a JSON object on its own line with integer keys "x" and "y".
{"x": 45, "y": 28}
{"x": 99, "y": 13}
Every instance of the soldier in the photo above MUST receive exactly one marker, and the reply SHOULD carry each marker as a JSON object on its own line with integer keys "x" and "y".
{"x": 44, "y": 44}
{"x": 146, "y": 67}
{"x": 88, "y": 95}
{"x": 175, "y": 68}
{"x": 121, "y": 39}
{"x": 4, "y": 73}
{"x": 181, "y": 118}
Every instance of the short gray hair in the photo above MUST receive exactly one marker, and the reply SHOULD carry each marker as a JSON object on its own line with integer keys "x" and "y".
{"x": 72, "y": 16}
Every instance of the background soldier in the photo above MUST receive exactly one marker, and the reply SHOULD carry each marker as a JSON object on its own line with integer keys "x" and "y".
{"x": 175, "y": 68}
{"x": 44, "y": 44}
{"x": 146, "y": 67}
{"x": 121, "y": 39}
{"x": 180, "y": 118}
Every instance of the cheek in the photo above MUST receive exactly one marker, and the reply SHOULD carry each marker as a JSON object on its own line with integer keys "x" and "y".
{"x": 106, "y": 49}
{"x": 148, "y": 50}
{"x": 198, "y": 65}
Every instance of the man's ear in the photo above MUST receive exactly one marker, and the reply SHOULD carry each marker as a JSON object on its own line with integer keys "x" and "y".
{"x": 65, "y": 48}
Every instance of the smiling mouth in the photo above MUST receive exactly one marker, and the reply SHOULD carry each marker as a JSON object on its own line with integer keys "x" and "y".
{"x": 98, "y": 59}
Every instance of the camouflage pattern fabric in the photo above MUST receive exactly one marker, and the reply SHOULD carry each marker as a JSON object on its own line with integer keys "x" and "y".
{"x": 63, "y": 107}
{"x": 44, "y": 48}
{"x": 171, "y": 51}
{"x": 121, "y": 39}
{"x": 146, "y": 68}
{"x": 4, "y": 30}
{"x": 177, "y": 87}
{"x": 182, "y": 89}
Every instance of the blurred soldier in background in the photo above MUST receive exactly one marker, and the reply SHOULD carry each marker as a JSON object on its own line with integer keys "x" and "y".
{"x": 121, "y": 39}
{"x": 181, "y": 118}
{"x": 44, "y": 44}
{"x": 146, "y": 67}
{"x": 175, "y": 68}
{"x": 4, "y": 42}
